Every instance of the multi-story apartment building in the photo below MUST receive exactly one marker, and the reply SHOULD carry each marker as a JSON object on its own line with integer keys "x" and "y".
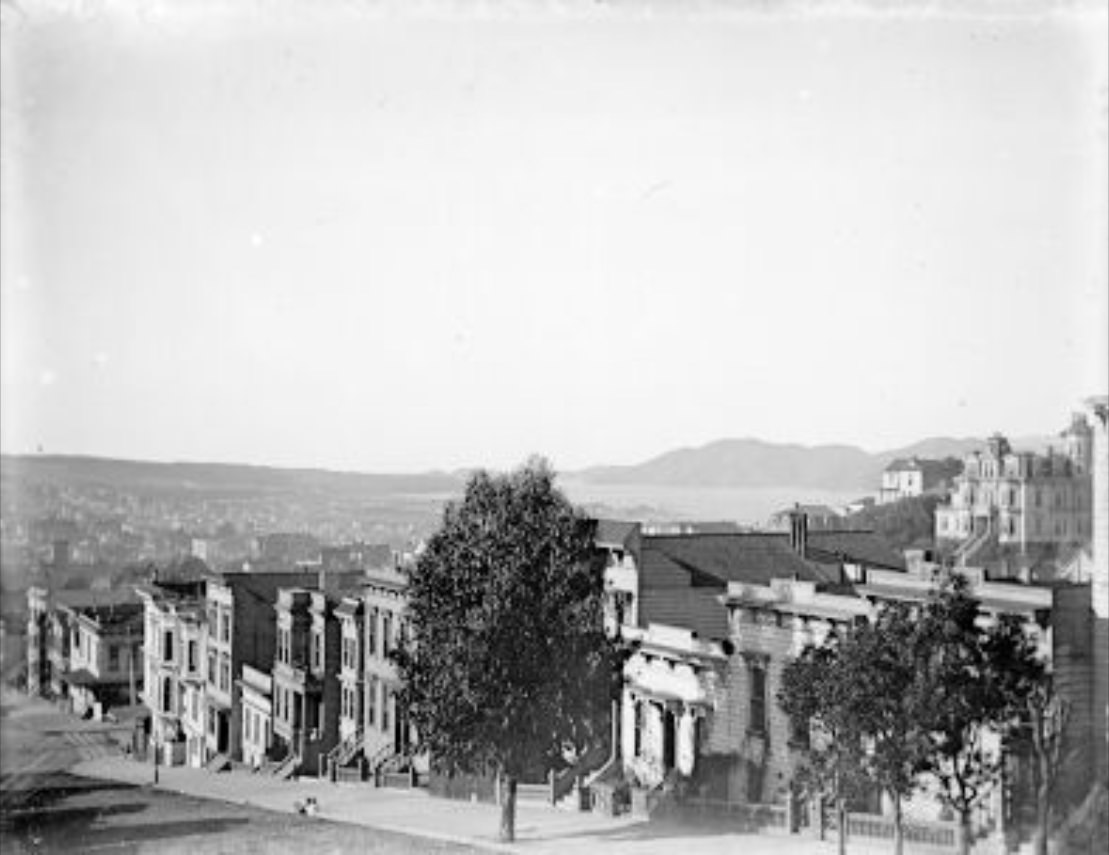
{"x": 105, "y": 663}
{"x": 292, "y": 682}
{"x": 385, "y": 724}
{"x": 306, "y": 687}
{"x": 352, "y": 684}
{"x": 1022, "y": 498}
{"x": 51, "y": 622}
{"x": 173, "y": 646}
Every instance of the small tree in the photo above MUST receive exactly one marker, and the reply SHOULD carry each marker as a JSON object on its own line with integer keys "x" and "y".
{"x": 863, "y": 689}
{"x": 816, "y": 692}
{"x": 1038, "y": 716}
{"x": 509, "y": 669}
{"x": 1048, "y": 715}
{"x": 976, "y": 676}
{"x": 887, "y": 692}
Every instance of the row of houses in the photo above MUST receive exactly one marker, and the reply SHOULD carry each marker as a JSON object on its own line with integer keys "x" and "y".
{"x": 289, "y": 672}
{"x": 716, "y": 620}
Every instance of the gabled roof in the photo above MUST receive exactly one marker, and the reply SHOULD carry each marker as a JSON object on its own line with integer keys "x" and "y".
{"x": 681, "y": 576}
{"x": 854, "y": 547}
{"x": 614, "y": 533}
{"x": 716, "y": 559}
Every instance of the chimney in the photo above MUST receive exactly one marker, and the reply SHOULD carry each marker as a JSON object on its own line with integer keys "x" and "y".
{"x": 798, "y": 530}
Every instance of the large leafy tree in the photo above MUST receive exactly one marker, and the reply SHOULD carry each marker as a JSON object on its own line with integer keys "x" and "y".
{"x": 508, "y": 670}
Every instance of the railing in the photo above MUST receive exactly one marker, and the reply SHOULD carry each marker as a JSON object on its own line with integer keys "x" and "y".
{"x": 563, "y": 783}
{"x": 942, "y": 835}
{"x": 533, "y": 792}
{"x": 342, "y": 753}
{"x": 287, "y": 766}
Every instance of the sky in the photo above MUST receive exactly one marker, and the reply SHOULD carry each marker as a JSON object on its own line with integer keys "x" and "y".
{"x": 401, "y": 237}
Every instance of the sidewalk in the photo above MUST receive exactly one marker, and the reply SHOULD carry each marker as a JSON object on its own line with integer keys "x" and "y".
{"x": 540, "y": 829}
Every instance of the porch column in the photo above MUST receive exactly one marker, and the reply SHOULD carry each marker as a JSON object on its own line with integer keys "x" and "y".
{"x": 686, "y": 748}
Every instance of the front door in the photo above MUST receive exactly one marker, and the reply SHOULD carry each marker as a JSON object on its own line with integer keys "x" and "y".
{"x": 223, "y": 733}
{"x": 669, "y": 739}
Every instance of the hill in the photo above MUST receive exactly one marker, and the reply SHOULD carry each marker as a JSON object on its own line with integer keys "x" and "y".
{"x": 755, "y": 463}
{"x": 216, "y": 480}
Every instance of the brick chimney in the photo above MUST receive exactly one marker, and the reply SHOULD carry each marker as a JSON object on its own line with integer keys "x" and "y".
{"x": 798, "y": 530}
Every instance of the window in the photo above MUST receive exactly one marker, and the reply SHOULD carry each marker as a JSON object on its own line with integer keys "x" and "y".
{"x": 225, "y": 626}
{"x": 371, "y": 633}
{"x": 758, "y": 698}
{"x": 317, "y": 649}
{"x": 193, "y": 656}
{"x": 113, "y": 658}
{"x": 225, "y": 673}
{"x": 167, "y": 646}
{"x": 371, "y": 701}
{"x": 386, "y": 699}
{"x": 211, "y": 667}
{"x": 386, "y": 630}
{"x": 283, "y": 646}
{"x": 637, "y": 748}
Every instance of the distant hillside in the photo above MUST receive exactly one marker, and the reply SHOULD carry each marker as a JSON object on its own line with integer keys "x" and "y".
{"x": 725, "y": 463}
{"x": 755, "y": 463}
{"x": 217, "y": 480}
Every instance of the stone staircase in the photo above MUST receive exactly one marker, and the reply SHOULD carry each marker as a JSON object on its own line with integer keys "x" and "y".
{"x": 218, "y": 763}
{"x": 287, "y": 767}
{"x": 342, "y": 754}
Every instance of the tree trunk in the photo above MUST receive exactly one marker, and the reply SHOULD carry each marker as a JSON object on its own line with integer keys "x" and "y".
{"x": 898, "y": 828}
{"x": 508, "y": 809}
{"x": 1043, "y": 819}
{"x": 964, "y": 832}
{"x": 841, "y": 821}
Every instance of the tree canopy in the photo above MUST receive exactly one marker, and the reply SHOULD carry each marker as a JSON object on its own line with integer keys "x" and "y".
{"x": 508, "y": 670}
{"x": 915, "y": 690}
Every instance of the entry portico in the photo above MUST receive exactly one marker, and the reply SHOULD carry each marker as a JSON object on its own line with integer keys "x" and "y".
{"x": 670, "y": 686}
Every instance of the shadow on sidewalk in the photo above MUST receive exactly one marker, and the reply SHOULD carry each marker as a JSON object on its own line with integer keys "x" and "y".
{"x": 664, "y": 829}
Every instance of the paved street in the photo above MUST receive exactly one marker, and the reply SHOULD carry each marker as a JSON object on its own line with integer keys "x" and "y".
{"x": 67, "y": 786}
{"x": 45, "y": 807}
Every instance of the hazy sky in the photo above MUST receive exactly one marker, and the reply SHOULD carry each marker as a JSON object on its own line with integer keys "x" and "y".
{"x": 360, "y": 237}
